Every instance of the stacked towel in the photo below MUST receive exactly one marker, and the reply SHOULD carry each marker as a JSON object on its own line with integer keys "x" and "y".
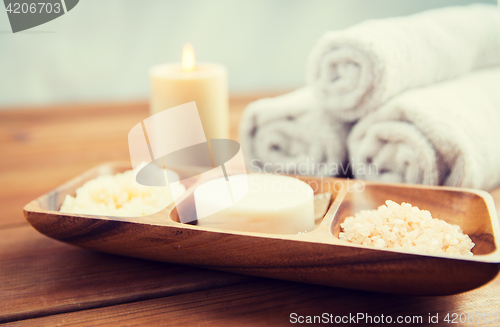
{"x": 445, "y": 134}
{"x": 420, "y": 112}
{"x": 289, "y": 134}
{"x": 356, "y": 70}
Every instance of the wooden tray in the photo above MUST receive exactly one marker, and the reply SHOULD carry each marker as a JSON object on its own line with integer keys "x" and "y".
{"x": 317, "y": 257}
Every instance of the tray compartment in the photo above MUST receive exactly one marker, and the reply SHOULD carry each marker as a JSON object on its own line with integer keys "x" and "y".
{"x": 466, "y": 209}
{"x": 188, "y": 208}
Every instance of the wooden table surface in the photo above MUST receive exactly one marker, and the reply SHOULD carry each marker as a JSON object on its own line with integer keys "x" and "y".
{"x": 44, "y": 282}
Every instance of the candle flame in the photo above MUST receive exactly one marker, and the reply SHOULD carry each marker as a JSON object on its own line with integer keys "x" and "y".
{"x": 188, "y": 59}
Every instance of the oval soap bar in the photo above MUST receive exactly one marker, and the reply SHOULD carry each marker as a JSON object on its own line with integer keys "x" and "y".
{"x": 263, "y": 203}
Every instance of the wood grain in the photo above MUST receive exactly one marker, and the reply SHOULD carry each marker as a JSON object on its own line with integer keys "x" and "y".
{"x": 270, "y": 303}
{"x": 40, "y": 276}
{"x": 43, "y": 148}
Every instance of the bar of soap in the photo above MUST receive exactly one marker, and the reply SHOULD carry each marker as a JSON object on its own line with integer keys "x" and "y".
{"x": 263, "y": 203}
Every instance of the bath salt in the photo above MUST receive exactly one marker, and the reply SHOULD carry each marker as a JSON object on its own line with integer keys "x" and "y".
{"x": 405, "y": 227}
{"x": 121, "y": 195}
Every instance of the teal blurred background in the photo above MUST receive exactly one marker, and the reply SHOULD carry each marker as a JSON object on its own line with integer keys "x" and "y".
{"x": 102, "y": 49}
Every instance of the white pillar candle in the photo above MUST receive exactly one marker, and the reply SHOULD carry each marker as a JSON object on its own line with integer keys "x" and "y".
{"x": 174, "y": 84}
{"x": 272, "y": 204}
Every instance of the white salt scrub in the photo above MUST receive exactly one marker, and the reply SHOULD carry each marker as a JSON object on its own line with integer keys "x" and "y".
{"x": 405, "y": 227}
{"x": 121, "y": 195}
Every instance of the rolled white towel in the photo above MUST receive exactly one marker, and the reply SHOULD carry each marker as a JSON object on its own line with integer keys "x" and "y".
{"x": 445, "y": 134}
{"x": 289, "y": 134}
{"x": 356, "y": 70}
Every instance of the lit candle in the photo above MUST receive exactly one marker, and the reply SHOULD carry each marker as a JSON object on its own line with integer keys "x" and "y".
{"x": 174, "y": 84}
